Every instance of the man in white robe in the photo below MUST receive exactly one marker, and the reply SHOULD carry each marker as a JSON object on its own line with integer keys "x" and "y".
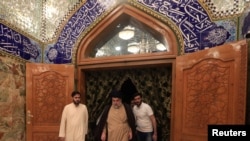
{"x": 74, "y": 120}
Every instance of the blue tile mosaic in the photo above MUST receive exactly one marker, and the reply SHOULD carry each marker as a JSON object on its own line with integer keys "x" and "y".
{"x": 196, "y": 27}
{"x": 61, "y": 52}
{"x": 18, "y": 45}
{"x": 231, "y": 27}
{"x": 194, "y": 22}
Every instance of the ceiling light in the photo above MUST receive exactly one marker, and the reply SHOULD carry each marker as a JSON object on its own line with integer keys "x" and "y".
{"x": 133, "y": 47}
{"x": 118, "y": 48}
{"x": 160, "y": 47}
{"x": 127, "y": 33}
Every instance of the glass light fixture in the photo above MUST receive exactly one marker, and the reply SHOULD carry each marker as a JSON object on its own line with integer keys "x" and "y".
{"x": 160, "y": 46}
{"x": 118, "y": 48}
{"x": 127, "y": 33}
{"x": 133, "y": 47}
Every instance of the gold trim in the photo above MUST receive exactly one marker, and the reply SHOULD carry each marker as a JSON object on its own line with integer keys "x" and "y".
{"x": 64, "y": 21}
{"x": 88, "y": 29}
{"x": 5, "y": 54}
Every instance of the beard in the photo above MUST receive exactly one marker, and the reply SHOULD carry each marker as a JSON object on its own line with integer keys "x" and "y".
{"x": 76, "y": 102}
{"x": 116, "y": 107}
{"x": 138, "y": 104}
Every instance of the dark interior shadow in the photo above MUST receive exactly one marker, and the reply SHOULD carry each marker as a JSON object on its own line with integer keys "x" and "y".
{"x": 128, "y": 89}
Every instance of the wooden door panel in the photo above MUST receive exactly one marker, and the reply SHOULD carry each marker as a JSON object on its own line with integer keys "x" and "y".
{"x": 210, "y": 89}
{"x": 48, "y": 89}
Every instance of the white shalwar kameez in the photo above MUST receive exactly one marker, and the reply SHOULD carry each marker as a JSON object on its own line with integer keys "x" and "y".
{"x": 74, "y": 122}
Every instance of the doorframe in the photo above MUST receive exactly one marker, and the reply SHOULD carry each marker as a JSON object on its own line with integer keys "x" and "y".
{"x": 121, "y": 14}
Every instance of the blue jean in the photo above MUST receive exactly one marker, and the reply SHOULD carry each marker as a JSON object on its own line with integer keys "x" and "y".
{"x": 144, "y": 136}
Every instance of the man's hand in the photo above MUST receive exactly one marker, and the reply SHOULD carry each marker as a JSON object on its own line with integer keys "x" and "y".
{"x": 130, "y": 135}
{"x": 154, "y": 137}
{"x": 103, "y": 137}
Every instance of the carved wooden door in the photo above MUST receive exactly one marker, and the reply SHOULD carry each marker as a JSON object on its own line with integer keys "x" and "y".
{"x": 48, "y": 89}
{"x": 210, "y": 89}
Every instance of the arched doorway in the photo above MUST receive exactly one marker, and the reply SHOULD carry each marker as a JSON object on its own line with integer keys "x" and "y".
{"x": 99, "y": 86}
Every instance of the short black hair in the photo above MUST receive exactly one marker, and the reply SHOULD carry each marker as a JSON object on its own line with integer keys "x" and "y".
{"x": 75, "y": 93}
{"x": 137, "y": 94}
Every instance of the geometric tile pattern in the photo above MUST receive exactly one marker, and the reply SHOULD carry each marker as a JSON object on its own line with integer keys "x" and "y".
{"x": 219, "y": 9}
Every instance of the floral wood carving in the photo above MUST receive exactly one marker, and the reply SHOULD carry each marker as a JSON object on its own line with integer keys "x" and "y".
{"x": 50, "y": 89}
{"x": 207, "y": 102}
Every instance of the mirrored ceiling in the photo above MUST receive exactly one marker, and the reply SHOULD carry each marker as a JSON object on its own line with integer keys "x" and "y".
{"x": 133, "y": 41}
{"x": 131, "y": 38}
{"x": 38, "y": 18}
{"x": 42, "y": 19}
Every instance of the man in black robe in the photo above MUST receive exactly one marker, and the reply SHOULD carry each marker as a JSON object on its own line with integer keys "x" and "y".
{"x": 102, "y": 127}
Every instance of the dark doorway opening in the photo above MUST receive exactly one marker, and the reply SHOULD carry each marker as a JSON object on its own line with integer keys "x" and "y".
{"x": 128, "y": 89}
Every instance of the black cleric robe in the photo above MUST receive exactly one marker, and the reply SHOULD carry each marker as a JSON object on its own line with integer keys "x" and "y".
{"x": 103, "y": 119}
